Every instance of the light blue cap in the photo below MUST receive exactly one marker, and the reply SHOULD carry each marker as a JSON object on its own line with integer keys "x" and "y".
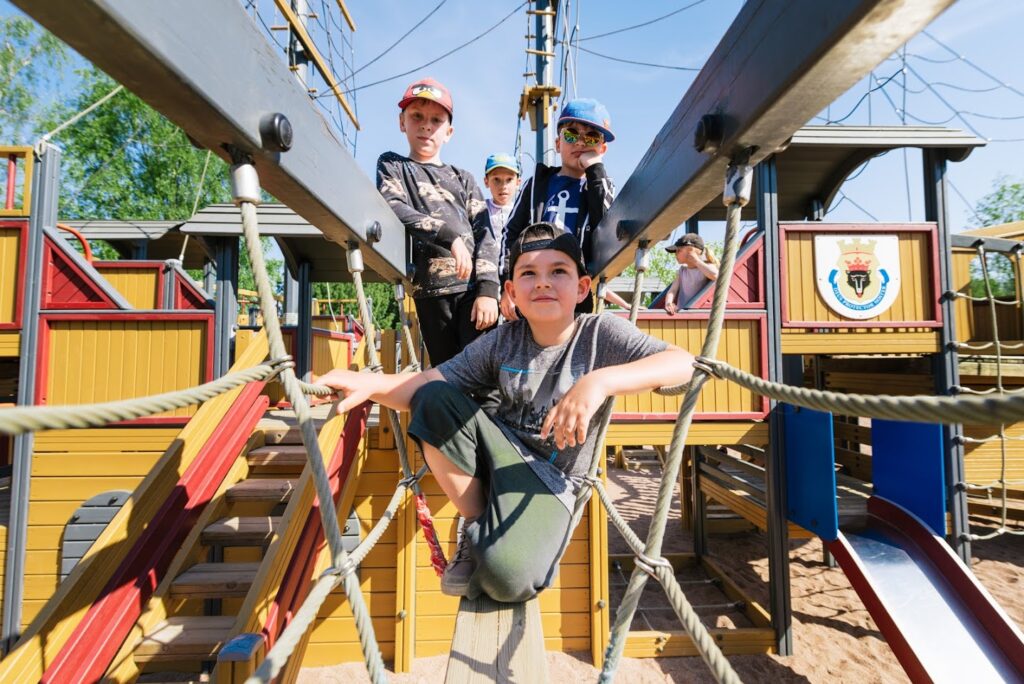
{"x": 501, "y": 161}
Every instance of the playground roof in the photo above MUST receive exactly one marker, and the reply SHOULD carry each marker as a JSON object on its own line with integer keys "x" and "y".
{"x": 298, "y": 239}
{"x": 163, "y": 239}
{"x": 1010, "y": 231}
{"x": 817, "y": 159}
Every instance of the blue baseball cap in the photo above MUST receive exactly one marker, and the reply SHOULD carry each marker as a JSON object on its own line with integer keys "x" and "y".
{"x": 590, "y": 112}
{"x": 501, "y": 161}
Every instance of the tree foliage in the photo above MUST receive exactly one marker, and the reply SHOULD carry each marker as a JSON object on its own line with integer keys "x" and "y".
{"x": 31, "y": 60}
{"x": 1004, "y": 204}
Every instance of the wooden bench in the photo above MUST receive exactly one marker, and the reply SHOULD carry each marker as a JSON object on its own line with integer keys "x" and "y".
{"x": 497, "y": 642}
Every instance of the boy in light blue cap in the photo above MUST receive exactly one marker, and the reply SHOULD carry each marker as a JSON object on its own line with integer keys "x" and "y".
{"x": 575, "y": 195}
{"x": 501, "y": 176}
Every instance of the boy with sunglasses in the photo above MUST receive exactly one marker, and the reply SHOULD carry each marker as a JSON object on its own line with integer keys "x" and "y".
{"x": 575, "y": 195}
{"x": 455, "y": 256}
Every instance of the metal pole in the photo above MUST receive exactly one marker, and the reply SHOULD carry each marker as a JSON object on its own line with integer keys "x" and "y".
{"x": 946, "y": 363}
{"x": 304, "y": 328}
{"x": 780, "y": 606}
{"x": 297, "y": 57}
{"x": 291, "y": 298}
{"x": 226, "y": 307}
{"x": 544, "y": 46}
{"x": 45, "y": 185}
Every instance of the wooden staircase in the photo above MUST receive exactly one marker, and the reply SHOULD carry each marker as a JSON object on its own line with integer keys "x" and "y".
{"x": 208, "y": 593}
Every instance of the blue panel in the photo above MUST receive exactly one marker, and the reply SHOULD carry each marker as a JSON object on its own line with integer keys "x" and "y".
{"x": 907, "y": 469}
{"x": 810, "y": 471}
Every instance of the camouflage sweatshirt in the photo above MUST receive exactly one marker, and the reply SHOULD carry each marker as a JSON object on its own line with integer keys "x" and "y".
{"x": 439, "y": 203}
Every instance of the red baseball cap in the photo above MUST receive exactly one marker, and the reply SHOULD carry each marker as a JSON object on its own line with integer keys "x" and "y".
{"x": 428, "y": 89}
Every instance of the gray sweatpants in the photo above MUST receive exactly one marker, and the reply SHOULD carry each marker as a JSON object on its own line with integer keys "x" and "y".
{"x": 524, "y": 530}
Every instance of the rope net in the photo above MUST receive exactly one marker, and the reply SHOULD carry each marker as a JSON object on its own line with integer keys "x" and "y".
{"x": 1002, "y": 484}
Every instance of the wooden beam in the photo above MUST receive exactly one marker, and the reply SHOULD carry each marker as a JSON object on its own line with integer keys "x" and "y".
{"x": 777, "y": 65}
{"x": 345, "y": 13}
{"x": 314, "y": 54}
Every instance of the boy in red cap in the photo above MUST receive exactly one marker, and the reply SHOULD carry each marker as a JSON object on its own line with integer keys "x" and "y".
{"x": 575, "y": 195}
{"x": 455, "y": 256}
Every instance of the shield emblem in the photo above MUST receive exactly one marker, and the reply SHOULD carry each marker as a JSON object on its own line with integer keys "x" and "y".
{"x": 858, "y": 276}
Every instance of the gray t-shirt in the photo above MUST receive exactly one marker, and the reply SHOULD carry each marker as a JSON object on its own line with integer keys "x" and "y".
{"x": 531, "y": 379}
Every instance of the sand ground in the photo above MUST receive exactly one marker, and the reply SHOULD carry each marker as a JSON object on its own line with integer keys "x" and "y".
{"x": 835, "y": 638}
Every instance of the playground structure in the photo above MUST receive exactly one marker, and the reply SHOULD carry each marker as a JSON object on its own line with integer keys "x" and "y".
{"x": 257, "y": 571}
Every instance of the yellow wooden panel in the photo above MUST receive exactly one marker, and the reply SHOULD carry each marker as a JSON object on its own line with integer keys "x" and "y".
{"x": 739, "y": 346}
{"x": 10, "y": 268}
{"x": 329, "y": 353}
{"x": 126, "y": 439}
{"x": 10, "y": 343}
{"x": 95, "y": 361}
{"x": 93, "y": 464}
{"x": 861, "y": 341}
{"x": 707, "y": 433}
{"x": 140, "y": 286}
{"x": 913, "y": 303}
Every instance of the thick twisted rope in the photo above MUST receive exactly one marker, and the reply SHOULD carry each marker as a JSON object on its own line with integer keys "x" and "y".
{"x": 737, "y": 187}
{"x": 246, "y": 190}
{"x": 283, "y": 648}
{"x": 926, "y": 409}
{"x": 16, "y": 421}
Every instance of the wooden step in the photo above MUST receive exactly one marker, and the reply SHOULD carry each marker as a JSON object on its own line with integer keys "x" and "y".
{"x": 281, "y": 427}
{"x": 215, "y": 580}
{"x": 268, "y": 490}
{"x": 497, "y": 642}
{"x": 247, "y": 531}
{"x": 279, "y": 459}
{"x": 184, "y": 638}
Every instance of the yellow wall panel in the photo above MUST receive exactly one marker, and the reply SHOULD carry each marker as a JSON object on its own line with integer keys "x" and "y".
{"x": 329, "y": 353}
{"x": 140, "y": 286}
{"x": 739, "y": 346}
{"x": 861, "y": 341}
{"x": 10, "y": 343}
{"x": 914, "y": 302}
{"x": 96, "y": 361}
{"x": 10, "y": 246}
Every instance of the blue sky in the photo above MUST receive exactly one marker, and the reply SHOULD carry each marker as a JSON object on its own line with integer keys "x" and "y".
{"x": 486, "y": 79}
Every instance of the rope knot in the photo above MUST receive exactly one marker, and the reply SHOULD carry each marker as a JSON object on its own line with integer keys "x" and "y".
{"x": 707, "y": 366}
{"x": 282, "y": 362}
{"x": 346, "y": 568}
{"x": 650, "y": 565}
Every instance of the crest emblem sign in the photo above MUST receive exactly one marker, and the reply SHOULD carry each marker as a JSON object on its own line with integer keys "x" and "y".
{"x": 858, "y": 276}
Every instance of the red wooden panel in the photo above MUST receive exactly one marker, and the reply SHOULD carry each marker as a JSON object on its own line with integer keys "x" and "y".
{"x": 66, "y": 286}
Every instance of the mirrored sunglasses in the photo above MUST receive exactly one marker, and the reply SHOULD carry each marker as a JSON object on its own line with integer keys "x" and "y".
{"x": 588, "y": 139}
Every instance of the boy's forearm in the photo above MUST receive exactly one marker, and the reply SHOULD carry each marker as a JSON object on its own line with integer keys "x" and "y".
{"x": 396, "y": 390}
{"x": 674, "y": 366}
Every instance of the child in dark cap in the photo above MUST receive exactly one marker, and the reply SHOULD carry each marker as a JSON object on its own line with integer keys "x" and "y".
{"x": 513, "y": 472}
{"x": 697, "y": 265}
{"x": 455, "y": 257}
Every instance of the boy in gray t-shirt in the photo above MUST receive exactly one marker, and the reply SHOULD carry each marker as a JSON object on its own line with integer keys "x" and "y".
{"x": 513, "y": 474}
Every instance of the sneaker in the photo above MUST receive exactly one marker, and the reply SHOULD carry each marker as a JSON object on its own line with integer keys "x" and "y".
{"x": 461, "y": 566}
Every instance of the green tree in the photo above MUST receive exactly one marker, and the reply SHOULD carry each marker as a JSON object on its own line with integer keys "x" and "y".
{"x": 1004, "y": 204}
{"x": 127, "y": 161}
{"x": 31, "y": 60}
{"x": 383, "y": 306}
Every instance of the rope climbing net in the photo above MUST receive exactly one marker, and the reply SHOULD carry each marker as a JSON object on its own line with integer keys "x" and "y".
{"x": 1001, "y": 405}
{"x": 1003, "y": 483}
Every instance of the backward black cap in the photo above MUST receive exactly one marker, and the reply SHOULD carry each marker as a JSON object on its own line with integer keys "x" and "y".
{"x": 545, "y": 235}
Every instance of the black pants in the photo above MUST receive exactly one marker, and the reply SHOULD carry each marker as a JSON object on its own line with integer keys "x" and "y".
{"x": 445, "y": 324}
